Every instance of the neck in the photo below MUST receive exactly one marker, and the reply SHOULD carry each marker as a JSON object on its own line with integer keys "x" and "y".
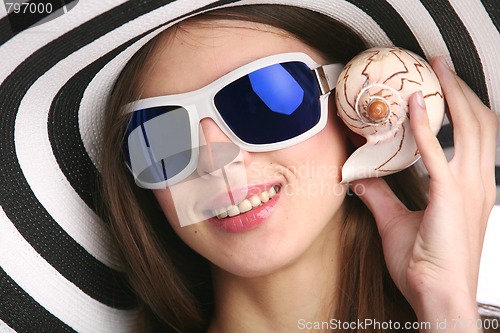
{"x": 279, "y": 302}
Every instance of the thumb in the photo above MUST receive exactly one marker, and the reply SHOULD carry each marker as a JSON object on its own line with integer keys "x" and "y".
{"x": 380, "y": 199}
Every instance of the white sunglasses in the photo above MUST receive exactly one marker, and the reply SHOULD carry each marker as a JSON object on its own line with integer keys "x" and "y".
{"x": 269, "y": 104}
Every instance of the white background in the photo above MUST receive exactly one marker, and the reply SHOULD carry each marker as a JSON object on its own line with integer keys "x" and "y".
{"x": 489, "y": 275}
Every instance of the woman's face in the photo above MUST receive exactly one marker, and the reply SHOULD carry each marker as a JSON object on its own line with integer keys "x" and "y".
{"x": 302, "y": 218}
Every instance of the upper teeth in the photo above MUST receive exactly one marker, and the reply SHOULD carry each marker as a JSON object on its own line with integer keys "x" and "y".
{"x": 246, "y": 205}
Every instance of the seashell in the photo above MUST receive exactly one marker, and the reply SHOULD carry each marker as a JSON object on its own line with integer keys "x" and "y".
{"x": 372, "y": 99}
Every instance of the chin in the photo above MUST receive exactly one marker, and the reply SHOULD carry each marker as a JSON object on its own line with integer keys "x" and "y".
{"x": 255, "y": 269}
{"x": 264, "y": 255}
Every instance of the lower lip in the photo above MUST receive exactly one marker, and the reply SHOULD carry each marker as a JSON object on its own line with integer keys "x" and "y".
{"x": 246, "y": 221}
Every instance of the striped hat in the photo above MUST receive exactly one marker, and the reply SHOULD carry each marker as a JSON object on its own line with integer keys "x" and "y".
{"x": 58, "y": 269}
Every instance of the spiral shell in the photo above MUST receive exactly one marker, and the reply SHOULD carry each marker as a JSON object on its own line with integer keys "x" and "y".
{"x": 372, "y": 99}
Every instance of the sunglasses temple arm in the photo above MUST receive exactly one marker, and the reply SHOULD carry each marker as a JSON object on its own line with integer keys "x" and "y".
{"x": 327, "y": 76}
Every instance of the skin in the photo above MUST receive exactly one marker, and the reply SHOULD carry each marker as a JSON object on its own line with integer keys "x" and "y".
{"x": 432, "y": 255}
{"x": 256, "y": 273}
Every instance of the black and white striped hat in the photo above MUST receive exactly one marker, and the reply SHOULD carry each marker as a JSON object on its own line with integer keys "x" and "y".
{"x": 58, "y": 269}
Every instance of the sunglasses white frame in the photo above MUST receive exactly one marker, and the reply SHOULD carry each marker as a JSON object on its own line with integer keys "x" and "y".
{"x": 199, "y": 105}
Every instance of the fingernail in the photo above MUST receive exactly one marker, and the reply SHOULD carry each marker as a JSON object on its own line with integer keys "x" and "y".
{"x": 420, "y": 99}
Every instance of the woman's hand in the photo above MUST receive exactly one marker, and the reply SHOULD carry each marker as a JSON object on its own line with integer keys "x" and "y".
{"x": 433, "y": 255}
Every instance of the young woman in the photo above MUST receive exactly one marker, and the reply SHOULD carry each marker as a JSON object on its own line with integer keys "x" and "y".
{"x": 402, "y": 254}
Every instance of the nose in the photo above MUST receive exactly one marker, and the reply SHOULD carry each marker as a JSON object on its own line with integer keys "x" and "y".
{"x": 216, "y": 149}
{"x": 210, "y": 132}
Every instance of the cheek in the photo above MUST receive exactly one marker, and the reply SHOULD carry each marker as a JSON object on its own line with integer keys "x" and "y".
{"x": 336, "y": 132}
{"x": 164, "y": 198}
{"x": 334, "y": 141}
{"x": 188, "y": 233}
{"x": 318, "y": 169}
{"x": 328, "y": 148}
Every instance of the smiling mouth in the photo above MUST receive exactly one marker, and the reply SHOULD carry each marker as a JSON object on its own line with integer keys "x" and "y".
{"x": 247, "y": 204}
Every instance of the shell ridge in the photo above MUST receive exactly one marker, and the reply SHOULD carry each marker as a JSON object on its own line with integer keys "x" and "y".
{"x": 437, "y": 93}
{"x": 418, "y": 64}
{"x": 346, "y": 79}
{"x": 379, "y": 168}
{"x": 406, "y": 71}
{"x": 370, "y": 60}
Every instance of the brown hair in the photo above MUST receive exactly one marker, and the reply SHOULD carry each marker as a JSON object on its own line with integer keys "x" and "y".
{"x": 172, "y": 281}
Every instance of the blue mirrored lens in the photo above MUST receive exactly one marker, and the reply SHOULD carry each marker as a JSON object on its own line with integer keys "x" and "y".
{"x": 158, "y": 143}
{"x": 272, "y": 104}
{"x": 282, "y": 95}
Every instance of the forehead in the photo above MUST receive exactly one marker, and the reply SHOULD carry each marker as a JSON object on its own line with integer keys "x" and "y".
{"x": 197, "y": 53}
